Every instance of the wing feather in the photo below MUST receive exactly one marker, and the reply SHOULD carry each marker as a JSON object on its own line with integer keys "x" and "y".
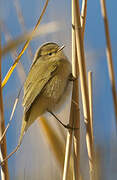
{"x": 39, "y": 75}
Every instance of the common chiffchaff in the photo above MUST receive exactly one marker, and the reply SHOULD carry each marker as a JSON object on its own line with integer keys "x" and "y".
{"x": 45, "y": 84}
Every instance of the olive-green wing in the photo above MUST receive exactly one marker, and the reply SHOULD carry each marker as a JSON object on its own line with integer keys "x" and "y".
{"x": 38, "y": 77}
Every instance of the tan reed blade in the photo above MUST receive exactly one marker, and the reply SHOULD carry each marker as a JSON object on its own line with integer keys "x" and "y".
{"x": 3, "y": 151}
{"x": 109, "y": 57}
{"x": 84, "y": 86}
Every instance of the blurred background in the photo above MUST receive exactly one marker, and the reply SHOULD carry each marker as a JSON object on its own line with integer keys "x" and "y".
{"x": 35, "y": 160}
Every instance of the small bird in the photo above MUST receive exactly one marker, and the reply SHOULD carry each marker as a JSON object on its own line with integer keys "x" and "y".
{"x": 45, "y": 84}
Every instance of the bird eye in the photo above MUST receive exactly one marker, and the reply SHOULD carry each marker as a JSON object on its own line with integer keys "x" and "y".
{"x": 50, "y": 54}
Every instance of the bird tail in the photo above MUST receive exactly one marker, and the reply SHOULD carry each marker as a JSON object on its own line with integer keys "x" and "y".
{"x": 24, "y": 128}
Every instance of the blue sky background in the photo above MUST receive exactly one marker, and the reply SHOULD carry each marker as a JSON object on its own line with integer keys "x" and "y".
{"x": 95, "y": 46}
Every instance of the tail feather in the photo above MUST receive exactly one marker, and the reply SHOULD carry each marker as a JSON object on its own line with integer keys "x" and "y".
{"x": 24, "y": 128}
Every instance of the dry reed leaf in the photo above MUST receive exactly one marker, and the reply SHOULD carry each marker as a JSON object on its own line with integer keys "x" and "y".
{"x": 11, "y": 117}
{"x": 3, "y": 147}
{"x": 24, "y": 47}
{"x": 13, "y": 67}
{"x": 43, "y": 29}
{"x": 53, "y": 140}
{"x": 55, "y": 143}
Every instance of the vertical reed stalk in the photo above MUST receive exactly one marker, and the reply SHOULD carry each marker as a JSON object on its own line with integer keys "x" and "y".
{"x": 74, "y": 114}
{"x": 76, "y": 137}
{"x": 91, "y": 101}
{"x": 75, "y": 98}
{"x": 68, "y": 146}
{"x": 83, "y": 16}
{"x": 3, "y": 153}
{"x": 84, "y": 87}
{"x": 109, "y": 56}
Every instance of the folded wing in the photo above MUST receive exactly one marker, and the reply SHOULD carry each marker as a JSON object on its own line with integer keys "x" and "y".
{"x": 39, "y": 75}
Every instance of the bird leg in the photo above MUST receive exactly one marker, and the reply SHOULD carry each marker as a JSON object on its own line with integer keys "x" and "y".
{"x": 72, "y": 78}
{"x": 64, "y": 125}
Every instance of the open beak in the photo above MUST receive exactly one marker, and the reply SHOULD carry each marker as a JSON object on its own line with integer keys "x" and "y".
{"x": 60, "y": 49}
